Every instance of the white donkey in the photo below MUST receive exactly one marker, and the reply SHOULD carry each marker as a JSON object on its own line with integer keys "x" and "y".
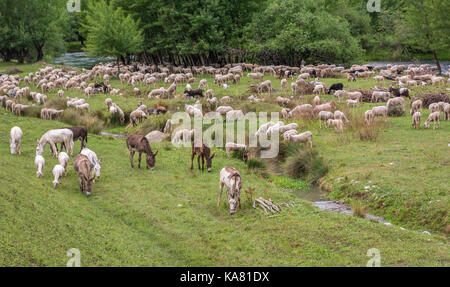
{"x": 93, "y": 159}
{"x": 52, "y": 137}
{"x": 16, "y": 139}
{"x": 232, "y": 179}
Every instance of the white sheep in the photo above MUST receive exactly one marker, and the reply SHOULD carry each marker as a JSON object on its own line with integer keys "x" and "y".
{"x": 58, "y": 172}
{"x": 325, "y": 116}
{"x": 63, "y": 159}
{"x": 39, "y": 163}
{"x": 338, "y": 125}
{"x": 416, "y": 106}
{"x": 435, "y": 117}
{"x": 15, "y": 140}
{"x": 416, "y": 120}
{"x": 368, "y": 117}
{"x": 380, "y": 111}
{"x": 305, "y": 138}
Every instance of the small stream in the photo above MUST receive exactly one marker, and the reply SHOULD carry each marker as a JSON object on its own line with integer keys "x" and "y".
{"x": 320, "y": 200}
{"x": 108, "y": 134}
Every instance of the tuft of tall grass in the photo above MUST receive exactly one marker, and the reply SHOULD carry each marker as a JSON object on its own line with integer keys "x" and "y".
{"x": 366, "y": 132}
{"x": 359, "y": 210}
{"x": 57, "y": 104}
{"x": 74, "y": 118}
{"x": 303, "y": 163}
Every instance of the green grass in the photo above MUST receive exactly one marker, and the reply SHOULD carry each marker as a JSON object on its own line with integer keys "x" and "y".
{"x": 168, "y": 217}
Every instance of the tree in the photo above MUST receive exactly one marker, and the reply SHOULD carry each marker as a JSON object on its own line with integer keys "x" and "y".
{"x": 429, "y": 26}
{"x": 110, "y": 33}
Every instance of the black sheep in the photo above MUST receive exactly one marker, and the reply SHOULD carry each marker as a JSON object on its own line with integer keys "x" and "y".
{"x": 193, "y": 93}
{"x": 336, "y": 87}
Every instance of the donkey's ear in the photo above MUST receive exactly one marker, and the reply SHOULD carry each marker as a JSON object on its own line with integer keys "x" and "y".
{"x": 214, "y": 154}
{"x": 37, "y": 140}
{"x": 156, "y": 153}
{"x": 101, "y": 159}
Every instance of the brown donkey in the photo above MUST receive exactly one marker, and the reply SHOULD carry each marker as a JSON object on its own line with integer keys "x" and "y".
{"x": 203, "y": 152}
{"x": 140, "y": 144}
{"x": 82, "y": 167}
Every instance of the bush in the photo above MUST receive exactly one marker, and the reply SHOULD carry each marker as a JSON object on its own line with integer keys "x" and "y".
{"x": 74, "y": 118}
{"x": 255, "y": 164}
{"x": 305, "y": 164}
{"x": 57, "y": 104}
{"x": 34, "y": 112}
{"x": 396, "y": 111}
{"x": 428, "y": 99}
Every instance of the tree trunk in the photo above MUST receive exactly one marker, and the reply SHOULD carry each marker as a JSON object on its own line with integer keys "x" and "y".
{"x": 438, "y": 64}
{"x": 118, "y": 66}
{"x": 40, "y": 54}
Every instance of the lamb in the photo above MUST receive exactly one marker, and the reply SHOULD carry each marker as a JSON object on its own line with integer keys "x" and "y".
{"x": 285, "y": 113}
{"x": 256, "y": 76}
{"x": 263, "y": 128}
{"x": 202, "y": 84}
{"x": 16, "y": 140}
{"x": 305, "y": 138}
{"x": 108, "y": 103}
{"x": 352, "y": 103}
{"x": 354, "y": 96}
{"x": 416, "y": 106}
{"x": 136, "y": 92}
{"x": 58, "y": 172}
{"x": 339, "y": 94}
{"x": 338, "y": 125}
{"x": 39, "y": 163}
{"x": 294, "y": 88}
{"x": 213, "y": 101}
{"x": 282, "y": 101}
{"x": 380, "y": 111}
{"x": 319, "y": 89}
{"x": 325, "y": 116}
{"x": 416, "y": 120}
{"x": 63, "y": 159}
{"x": 435, "y": 117}
{"x": 225, "y": 100}
{"x": 289, "y": 133}
{"x": 209, "y": 93}
{"x": 61, "y": 93}
{"x": 82, "y": 107}
{"x": 265, "y": 86}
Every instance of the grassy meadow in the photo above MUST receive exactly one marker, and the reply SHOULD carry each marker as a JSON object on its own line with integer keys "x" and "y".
{"x": 169, "y": 217}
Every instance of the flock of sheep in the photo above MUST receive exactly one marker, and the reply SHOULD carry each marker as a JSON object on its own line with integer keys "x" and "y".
{"x": 87, "y": 165}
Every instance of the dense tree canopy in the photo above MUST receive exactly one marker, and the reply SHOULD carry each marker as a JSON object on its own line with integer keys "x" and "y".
{"x": 198, "y": 32}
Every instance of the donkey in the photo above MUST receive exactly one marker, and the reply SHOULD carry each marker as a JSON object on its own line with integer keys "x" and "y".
{"x": 52, "y": 137}
{"x": 140, "y": 144}
{"x": 203, "y": 152}
{"x": 80, "y": 133}
{"x": 82, "y": 167}
{"x": 232, "y": 179}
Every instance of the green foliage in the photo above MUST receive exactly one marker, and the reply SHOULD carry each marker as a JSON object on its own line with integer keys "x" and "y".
{"x": 289, "y": 183}
{"x": 110, "y": 32}
{"x": 305, "y": 164}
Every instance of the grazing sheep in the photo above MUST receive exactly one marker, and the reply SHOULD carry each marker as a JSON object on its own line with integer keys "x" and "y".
{"x": 352, "y": 103}
{"x": 223, "y": 110}
{"x": 324, "y": 107}
{"x": 108, "y": 103}
{"x": 231, "y": 178}
{"x": 202, "y": 84}
{"x": 285, "y": 113}
{"x": 284, "y": 83}
{"x": 305, "y": 138}
{"x": 325, "y": 116}
{"x": 434, "y": 107}
{"x": 319, "y": 89}
{"x": 338, "y": 115}
{"x": 137, "y": 116}
{"x": 263, "y": 128}
{"x": 380, "y": 111}
{"x": 82, "y": 107}
{"x": 225, "y": 100}
{"x": 58, "y": 172}
{"x": 416, "y": 120}
{"x": 379, "y": 95}
{"x": 338, "y": 125}
{"x": 39, "y": 163}
{"x": 447, "y": 112}
{"x": 416, "y": 106}
{"x": 209, "y": 93}
{"x": 294, "y": 88}
{"x": 354, "y": 96}
{"x": 61, "y": 93}
{"x": 316, "y": 101}
{"x": 301, "y": 111}
{"x": 435, "y": 117}
{"x": 368, "y": 117}
{"x": 265, "y": 86}
{"x": 15, "y": 140}
{"x": 289, "y": 133}
{"x": 234, "y": 115}
{"x": 282, "y": 101}
{"x": 63, "y": 159}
